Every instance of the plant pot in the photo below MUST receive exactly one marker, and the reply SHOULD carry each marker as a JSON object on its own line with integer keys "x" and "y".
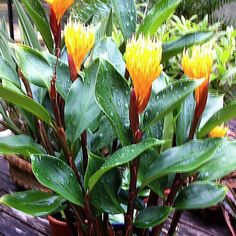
{"x": 21, "y": 173}
{"x": 59, "y": 228}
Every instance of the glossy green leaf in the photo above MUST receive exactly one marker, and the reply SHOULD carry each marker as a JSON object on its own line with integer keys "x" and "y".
{"x": 222, "y": 162}
{"x": 20, "y": 144}
{"x": 214, "y": 103}
{"x": 200, "y": 195}
{"x": 160, "y": 12}
{"x": 80, "y": 107}
{"x": 104, "y": 196}
{"x": 37, "y": 14}
{"x": 33, "y": 65}
{"x": 125, "y": 12}
{"x": 112, "y": 96}
{"x": 181, "y": 159}
{"x": 123, "y": 156}
{"x": 30, "y": 35}
{"x": 185, "y": 120}
{"x": 26, "y": 103}
{"x": 223, "y": 115}
{"x": 58, "y": 176}
{"x": 8, "y": 73}
{"x": 35, "y": 203}
{"x": 63, "y": 82}
{"x": 172, "y": 48}
{"x": 108, "y": 50}
{"x": 152, "y": 216}
{"x": 167, "y": 100}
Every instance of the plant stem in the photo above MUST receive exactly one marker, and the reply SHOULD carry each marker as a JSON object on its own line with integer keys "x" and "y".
{"x": 84, "y": 150}
{"x": 175, "y": 220}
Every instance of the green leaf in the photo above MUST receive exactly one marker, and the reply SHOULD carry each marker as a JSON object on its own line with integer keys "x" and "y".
{"x": 214, "y": 103}
{"x": 159, "y": 13}
{"x": 26, "y": 103}
{"x": 35, "y": 203}
{"x": 125, "y": 11}
{"x": 112, "y": 96}
{"x": 108, "y": 50}
{"x": 185, "y": 120}
{"x": 8, "y": 73}
{"x": 167, "y": 100}
{"x": 222, "y": 162}
{"x": 225, "y": 114}
{"x": 58, "y": 176}
{"x": 181, "y": 159}
{"x": 200, "y": 195}
{"x": 63, "y": 82}
{"x": 20, "y": 144}
{"x": 123, "y": 156}
{"x": 151, "y": 216}
{"x": 33, "y": 65}
{"x": 37, "y": 13}
{"x": 104, "y": 196}
{"x": 177, "y": 46}
{"x": 80, "y": 107}
{"x": 28, "y": 30}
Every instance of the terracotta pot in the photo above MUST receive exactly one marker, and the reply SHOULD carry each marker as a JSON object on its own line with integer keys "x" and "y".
{"x": 58, "y": 228}
{"x": 21, "y": 173}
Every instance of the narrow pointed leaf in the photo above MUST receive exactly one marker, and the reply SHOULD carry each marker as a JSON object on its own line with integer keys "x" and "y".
{"x": 200, "y": 195}
{"x": 167, "y": 100}
{"x": 152, "y": 216}
{"x": 123, "y": 156}
{"x": 58, "y": 176}
{"x": 181, "y": 159}
{"x": 26, "y": 103}
{"x": 161, "y": 11}
{"x": 32, "y": 202}
{"x": 125, "y": 12}
{"x": 223, "y": 115}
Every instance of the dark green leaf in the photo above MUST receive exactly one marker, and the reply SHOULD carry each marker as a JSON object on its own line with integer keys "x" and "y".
{"x": 222, "y": 163}
{"x": 36, "y": 12}
{"x": 125, "y": 11}
{"x": 108, "y": 50}
{"x": 80, "y": 107}
{"x": 33, "y": 65}
{"x": 151, "y": 216}
{"x": 123, "y": 156}
{"x": 181, "y": 159}
{"x": 200, "y": 195}
{"x": 112, "y": 96}
{"x": 20, "y": 144}
{"x": 26, "y": 103}
{"x": 27, "y": 28}
{"x": 8, "y": 73}
{"x": 161, "y": 11}
{"x": 225, "y": 114}
{"x": 58, "y": 176}
{"x": 172, "y": 48}
{"x": 35, "y": 203}
{"x": 167, "y": 100}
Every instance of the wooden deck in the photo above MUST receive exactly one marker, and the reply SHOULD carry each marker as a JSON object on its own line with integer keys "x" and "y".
{"x": 14, "y": 223}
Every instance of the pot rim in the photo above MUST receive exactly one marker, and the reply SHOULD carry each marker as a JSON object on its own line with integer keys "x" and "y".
{"x": 55, "y": 221}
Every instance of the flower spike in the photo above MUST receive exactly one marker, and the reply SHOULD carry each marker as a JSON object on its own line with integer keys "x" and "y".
{"x": 79, "y": 41}
{"x": 143, "y": 58}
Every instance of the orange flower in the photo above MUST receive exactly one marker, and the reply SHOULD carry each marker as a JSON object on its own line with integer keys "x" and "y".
{"x": 79, "y": 41}
{"x": 198, "y": 65}
{"x": 59, "y": 7}
{"x": 143, "y": 57}
{"x": 218, "y": 132}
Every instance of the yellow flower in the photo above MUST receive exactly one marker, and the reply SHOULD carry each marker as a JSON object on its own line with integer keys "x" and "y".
{"x": 79, "y": 40}
{"x": 199, "y": 64}
{"x": 143, "y": 58}
{"x": 218, "y": 132}
{"x": 59, "y": 7}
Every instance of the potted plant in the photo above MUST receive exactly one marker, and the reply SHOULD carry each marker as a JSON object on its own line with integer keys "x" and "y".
{"x": 111, "y": 126}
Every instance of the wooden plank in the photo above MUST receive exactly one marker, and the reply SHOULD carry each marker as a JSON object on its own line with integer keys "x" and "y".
{"x": 4, "y": 167}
